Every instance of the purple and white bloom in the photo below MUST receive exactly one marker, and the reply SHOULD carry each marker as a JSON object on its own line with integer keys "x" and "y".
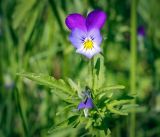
{"x": 141, "y": 34}
{"x": 87, "y": 102}
{"x": 85, "y": 32}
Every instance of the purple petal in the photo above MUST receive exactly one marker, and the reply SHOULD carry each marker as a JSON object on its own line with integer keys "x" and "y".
{"x": 96, "y": 19}
{"x": 89, "y": 103}
{"x": 75, "y": 20}
{"x": 76, "y": 37}
{"x": 81, "y": 105}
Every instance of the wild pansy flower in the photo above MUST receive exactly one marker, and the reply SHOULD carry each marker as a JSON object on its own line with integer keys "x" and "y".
{"x": 86, "y": 102}
{"x": 141, "y": 34}
{"x": 141, "y": 31}
{"x": 85, "y": 32}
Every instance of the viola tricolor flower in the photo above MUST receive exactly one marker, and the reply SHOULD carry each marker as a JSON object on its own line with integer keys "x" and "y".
{"x": 141, "y": 34}
{"x": 87, "y": 102}
{"x": 141, "y": 31}
{"x": 85, "y": 32}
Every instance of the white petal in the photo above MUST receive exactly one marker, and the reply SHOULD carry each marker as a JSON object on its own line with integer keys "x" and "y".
{"x": 86, "y": 112}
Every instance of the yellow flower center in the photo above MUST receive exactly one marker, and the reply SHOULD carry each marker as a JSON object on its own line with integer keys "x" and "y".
{"x": 88, "y": 44}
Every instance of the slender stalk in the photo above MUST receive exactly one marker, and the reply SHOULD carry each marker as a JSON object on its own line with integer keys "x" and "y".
{"x": 91, "y": 73}
{"x": 133, "y": 41}
{"x": 24, "y": 123}
{"x": 1, "y": 67}
{"x": 92, "y": 69}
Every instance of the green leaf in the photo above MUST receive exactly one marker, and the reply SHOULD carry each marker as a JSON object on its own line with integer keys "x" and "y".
{"x": 108, "y": 133}
{"x": 117, "y": 103}
{"x": 48, "y": 81}
{"x": 73, "y": 120}
{"x": 73, "y": 85}
{"x": 21, "y": 11}
{"x": 64, "y": 124}
{"x": 117, "y": 87}
{"x": 67, "y": 108}
{"x": 109, "y": 90}
{"x": 99, "y": 71}
{"x": 97, "y": 66}
{"x": 128, "y": 107}
{"x": 89, "y": 124}
{"x": 57, "y": 127}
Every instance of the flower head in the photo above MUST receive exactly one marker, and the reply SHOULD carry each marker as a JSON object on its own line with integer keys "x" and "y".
{"x": 85, "y": 32}
{"x": 86, "y": 102}
{"x": 141, "y": 31}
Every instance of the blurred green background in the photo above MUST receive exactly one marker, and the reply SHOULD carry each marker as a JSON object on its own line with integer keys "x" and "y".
{"x": 34, "y": 38}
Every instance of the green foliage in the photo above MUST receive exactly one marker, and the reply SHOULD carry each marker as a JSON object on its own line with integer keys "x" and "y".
{"x": 48, "y": 81}
{"x": 33, "y": 37}
{"x": 103, "y": 98}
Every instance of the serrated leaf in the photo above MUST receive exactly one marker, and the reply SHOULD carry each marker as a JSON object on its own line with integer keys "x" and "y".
{"x": 109, "y": 89}
{"x": 108, "y": 133}
{"x": 73, "y": 120}
{"x": 73, "y": 85}
{"x": 64, "y": 109}
{"x": 99, "y": 71}
{"x": 89, "y": 124}
{"x": 111, "y": 106}
{"x": 117, "y": 87}
{"x": 64, "y": 124}
{"x": 128, "y": 107}
{"x": 48, "y": 81}
{"x": 59, "y": 126}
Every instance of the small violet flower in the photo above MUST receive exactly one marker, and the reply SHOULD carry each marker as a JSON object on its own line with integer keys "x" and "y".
{"x": 141, "y": 31}
{"x": 87, "y": 102}
{"x": 141, "y": 34}
{"x": 85, "y": 32}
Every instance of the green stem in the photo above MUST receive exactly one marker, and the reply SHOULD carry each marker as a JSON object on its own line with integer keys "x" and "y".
{"x": 91, "y": 73}
{"x": 24, "y": 123}
{"x": 133, "y": 41}
{"x": 92, "y": 69}
{"x": 1, "y": 67}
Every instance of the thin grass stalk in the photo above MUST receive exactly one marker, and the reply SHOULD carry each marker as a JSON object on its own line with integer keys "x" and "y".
{"x": 24, "y": 123}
